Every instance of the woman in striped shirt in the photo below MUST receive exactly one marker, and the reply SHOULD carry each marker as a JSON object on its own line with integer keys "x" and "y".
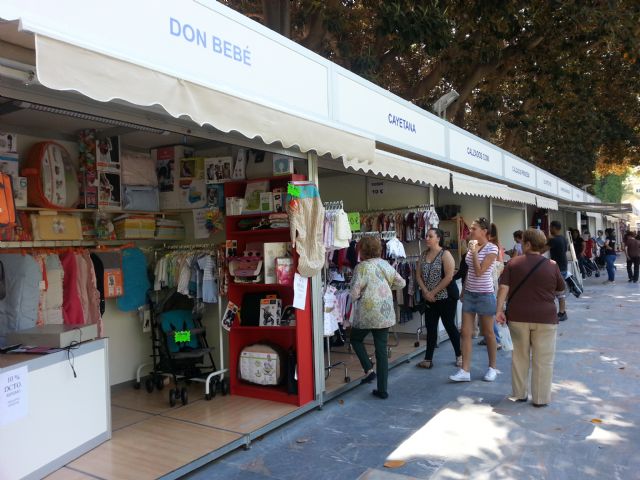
{"x": 478, "y": 299}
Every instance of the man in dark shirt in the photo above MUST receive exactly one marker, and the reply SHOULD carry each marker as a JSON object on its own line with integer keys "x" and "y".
{"x": 558, "y": 253}
{"x": 578, "y": 247}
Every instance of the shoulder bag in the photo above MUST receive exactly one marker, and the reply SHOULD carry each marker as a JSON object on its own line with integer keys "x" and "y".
{"x": 522, "y": 282}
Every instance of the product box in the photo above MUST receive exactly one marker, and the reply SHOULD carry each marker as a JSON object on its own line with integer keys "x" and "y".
{"x": 273, "y": 250}
{"x": 278, "y": 200}
{"x": 169, "y": 229}
{"x": 100, "y": 170}
{"x": 285, "y": 270}
{"x": 9, "y": 164}
{"x": 282, "y": 164}
{"x": 49, "y": 225}
{"x": 135, "y": 226}
{"x": 170, "y": 164}
{"x": 266, "y": 202}
{"x": 270, "y": 312}
{"x": 8, "y": 142}
{"x": 20, "y": 191}
{"x": 252, "y": 195}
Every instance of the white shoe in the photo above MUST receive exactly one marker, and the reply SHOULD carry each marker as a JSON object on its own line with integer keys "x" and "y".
{"x": 460, "y": 376}
{"x": 491, "y": 375}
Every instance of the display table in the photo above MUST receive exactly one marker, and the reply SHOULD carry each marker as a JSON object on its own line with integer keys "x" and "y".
{"x": 48, "y": 416}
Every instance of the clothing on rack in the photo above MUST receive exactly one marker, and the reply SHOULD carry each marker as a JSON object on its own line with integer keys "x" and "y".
{"x": 410, "y": 223}
{"x": 194, "y": 272}
{"x": 336, "y": 228}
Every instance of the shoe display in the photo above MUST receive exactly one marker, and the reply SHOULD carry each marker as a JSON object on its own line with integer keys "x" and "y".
{"x": 562, "y": 316}
{"x": 491, "y": 375}
{"x": 460, "y": 376}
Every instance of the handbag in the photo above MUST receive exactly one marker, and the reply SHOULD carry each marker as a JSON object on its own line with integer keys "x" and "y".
{"x": 522, "y": 282}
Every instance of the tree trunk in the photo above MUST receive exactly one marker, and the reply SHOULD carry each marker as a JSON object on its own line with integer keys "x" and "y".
{"x": 277, "y": 16}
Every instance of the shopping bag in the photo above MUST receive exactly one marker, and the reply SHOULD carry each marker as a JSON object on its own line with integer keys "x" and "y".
{"x": 505, "y": 337}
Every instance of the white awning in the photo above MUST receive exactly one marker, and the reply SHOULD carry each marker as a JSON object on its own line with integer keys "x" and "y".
{"x": 522, "y": 196}
{"x": 62, "y": 66}
{"x": 467, "y": 185}
{"x": 403, "y": 168}
{"x": 548, "y": 203}
{"x": 594, "y": 215}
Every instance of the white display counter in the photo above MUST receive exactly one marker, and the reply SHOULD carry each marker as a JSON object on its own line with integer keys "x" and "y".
{"x": 48, "y": 415}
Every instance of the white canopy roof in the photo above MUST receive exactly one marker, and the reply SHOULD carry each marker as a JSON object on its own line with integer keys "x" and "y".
{"x": 483, "y": 188}
{"x": 389, "y": 164}
{"x": 548, "y": 203}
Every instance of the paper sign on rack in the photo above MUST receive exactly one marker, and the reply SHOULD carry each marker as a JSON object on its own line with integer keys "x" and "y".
{"x": 354, "y": 221}
{"x": 14, "y": 401}
{"x": 299, "y": 291}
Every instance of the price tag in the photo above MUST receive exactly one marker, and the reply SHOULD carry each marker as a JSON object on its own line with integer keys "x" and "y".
{"x": 376, "y": 187}
{"x": 354, "y": 221}
{"x": 293, "y": 190}
{"x": 182, "y": 336}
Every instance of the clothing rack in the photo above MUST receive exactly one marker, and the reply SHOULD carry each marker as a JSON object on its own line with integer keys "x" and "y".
{"x": 220, "y": 373}
{"x": 337, "y": 205}
{"x": 399, "y": 209}
{"x": 384, "y": 235}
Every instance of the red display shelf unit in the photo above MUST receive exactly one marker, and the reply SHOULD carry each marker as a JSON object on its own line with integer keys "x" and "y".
{"x": 298, "y": 337}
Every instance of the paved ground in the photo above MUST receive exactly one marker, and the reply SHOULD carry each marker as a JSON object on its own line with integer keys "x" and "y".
{"x": 440, "y": 430}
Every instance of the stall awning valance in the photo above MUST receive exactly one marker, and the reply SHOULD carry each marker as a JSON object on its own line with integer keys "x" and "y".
{"x": 602, "y": 208}
{"x": 62, "y": 66}
{"x": 467, "y": 185}
{"x": 395, "y": 166}
{"x": 521, "y": 196}
{"x": 548, "y": 203}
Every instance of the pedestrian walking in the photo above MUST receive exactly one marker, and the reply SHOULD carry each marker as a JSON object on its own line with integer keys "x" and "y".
{"x": 632, "y": 252}
{"x": 517, "y": 246}
{"x": 434, "y": 273}
{"x": 478, "y": 299}
{"x": 371, "y": 286}
{"x": 610, "y": 255}
{"x": 528, "y": 287}
{"x": 558, "y": 252}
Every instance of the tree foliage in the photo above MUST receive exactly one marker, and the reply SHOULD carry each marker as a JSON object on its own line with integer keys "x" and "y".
{"x": 556, "y": 82}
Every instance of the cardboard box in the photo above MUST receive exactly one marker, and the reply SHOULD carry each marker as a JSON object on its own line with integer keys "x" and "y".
{"x": 278, "y": 200}
{"x": 266, "y": 202}
{"x": 282, "y": 164}
{"x": 8, "y": 142}
{"x": 9, "y": 164}
{"x": 49, "y": 225}
{"x": 271, "y": 251}
{"x": 270, "y": 312}
{"x": 168, "y": 163}
{"x": 20, "y": 192}
{"x": 135, "y": 226}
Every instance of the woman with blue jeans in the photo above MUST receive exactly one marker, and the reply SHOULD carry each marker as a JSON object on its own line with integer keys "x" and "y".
{"x": 479, "y": 298}
{"x": 610, "y": 255}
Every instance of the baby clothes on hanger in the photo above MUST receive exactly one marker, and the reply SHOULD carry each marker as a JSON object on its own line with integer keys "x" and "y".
{"x": 306, "y": 214}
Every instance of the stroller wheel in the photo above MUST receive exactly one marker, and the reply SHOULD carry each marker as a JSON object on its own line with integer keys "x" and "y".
{"x": 224, "y": 387}
{"x": 148, "y": 384}
{"x": 159, "y": 382}
{"x": 136, "y": 385}
{"x": 184, "y": 396}
{"x": 172, "y": 397}
{"x": 213, "y": 387}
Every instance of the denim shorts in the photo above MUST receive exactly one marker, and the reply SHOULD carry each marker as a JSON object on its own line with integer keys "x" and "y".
{"x": 480, "y": 303}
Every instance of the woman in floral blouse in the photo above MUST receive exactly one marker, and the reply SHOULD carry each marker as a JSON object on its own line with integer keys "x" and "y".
{"x": 372, "y": 285}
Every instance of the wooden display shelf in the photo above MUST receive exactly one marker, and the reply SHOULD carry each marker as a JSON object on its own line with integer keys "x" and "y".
{"x": 274, "y": 393}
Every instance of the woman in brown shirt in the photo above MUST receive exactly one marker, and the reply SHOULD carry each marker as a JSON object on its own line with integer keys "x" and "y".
{"x": 532, "y": 317}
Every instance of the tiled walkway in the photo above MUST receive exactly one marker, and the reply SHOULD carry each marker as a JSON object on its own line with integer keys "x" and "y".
{"x": 453, "y": 431}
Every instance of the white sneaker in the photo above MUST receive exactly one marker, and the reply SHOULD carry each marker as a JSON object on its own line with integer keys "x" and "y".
{"x": 460, "y": 376}
{"x": 491, "y": 375}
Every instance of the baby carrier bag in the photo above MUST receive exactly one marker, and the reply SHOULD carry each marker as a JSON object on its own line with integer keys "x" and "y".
{"x": 52, "y": 180}
{"x": 262, "y": 364}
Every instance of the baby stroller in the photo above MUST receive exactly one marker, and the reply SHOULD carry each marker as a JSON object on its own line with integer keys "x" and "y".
{"x": 180, "y": 348}
{"x": 590, "y": 267}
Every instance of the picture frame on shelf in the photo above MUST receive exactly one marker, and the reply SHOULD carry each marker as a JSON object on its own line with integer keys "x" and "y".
{"x": 282, "y": 165}
{"x": 215, "y": 196}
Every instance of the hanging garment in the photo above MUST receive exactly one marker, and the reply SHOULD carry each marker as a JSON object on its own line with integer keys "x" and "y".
{"x": 209, "y": 282}
{"x": 331, "y": 311}
{"x": 98, "y": 269}
{"x": 71, "y": 307}
{"x": 306, "y": 214}
{"x": 19, "y": 307}
{"x": 53, "y": 298}
{"x": 93, "y": 295}
{"x": 135, "y": 280}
